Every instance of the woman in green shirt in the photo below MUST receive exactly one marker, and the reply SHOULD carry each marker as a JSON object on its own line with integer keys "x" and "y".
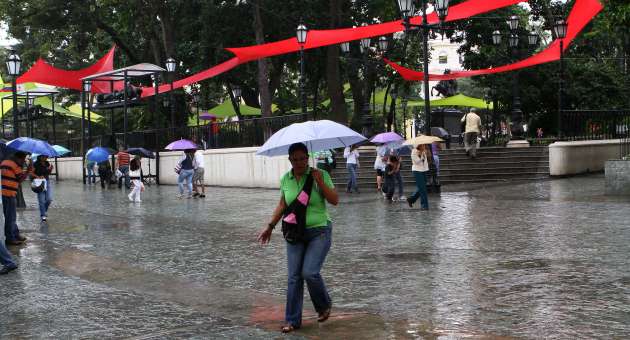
{"x": 305, "y": 259}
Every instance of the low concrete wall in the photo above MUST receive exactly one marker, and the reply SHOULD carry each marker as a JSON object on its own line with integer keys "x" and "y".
{"x": 617, "y": 177}
{"x": 572, "y": 158}
{"x": 239, "y": 167}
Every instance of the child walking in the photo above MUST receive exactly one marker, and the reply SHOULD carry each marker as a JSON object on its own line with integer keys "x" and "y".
{"x": 135, "y": 176}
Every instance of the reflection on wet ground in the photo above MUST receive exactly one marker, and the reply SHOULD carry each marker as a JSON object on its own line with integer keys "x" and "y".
{"x": 533, "y": 260}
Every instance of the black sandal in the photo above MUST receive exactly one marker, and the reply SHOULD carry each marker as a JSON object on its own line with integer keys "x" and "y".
{"x": 288, "y": 328}
{"x": 323, "y": 316}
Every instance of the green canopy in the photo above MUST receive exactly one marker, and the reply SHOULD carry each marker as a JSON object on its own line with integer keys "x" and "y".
{"x": 227, "y": 110}
{"x": 462, "y": 100}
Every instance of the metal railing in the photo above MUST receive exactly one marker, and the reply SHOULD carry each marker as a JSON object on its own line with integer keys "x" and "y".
{"x": 595, "y": 124}
{"x": 249, "y": 132}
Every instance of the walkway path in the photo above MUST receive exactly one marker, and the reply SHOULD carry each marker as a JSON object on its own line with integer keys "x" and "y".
{"x": 545, "y": 259}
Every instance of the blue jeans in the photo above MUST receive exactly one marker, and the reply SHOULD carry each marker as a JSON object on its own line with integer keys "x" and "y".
{"x": 421, "y": 189}
{"x": 91, "y": 174}
{"x": 9, "y": 208}
{"x": 5, "y": 257}
{"x": 125, "y": 171}
{"x": 185, "y": 176}
{"x": 305, "y": 261}
{"x": 399, "y": 180}
{"x": 352, "y": 181}
{"x": 45, "y": 198}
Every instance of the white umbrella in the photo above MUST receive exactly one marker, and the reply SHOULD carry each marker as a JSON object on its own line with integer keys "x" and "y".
{"x": 317, "y": 135}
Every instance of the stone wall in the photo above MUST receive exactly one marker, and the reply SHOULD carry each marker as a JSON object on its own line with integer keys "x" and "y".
{"x": 238, "y": 167}
{"x": 572, "y": 158}
{"x": 617, "y": 177}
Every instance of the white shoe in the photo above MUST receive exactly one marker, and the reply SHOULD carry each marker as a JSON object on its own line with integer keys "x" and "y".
{"x": 130, "y": 198}
{"x": 384, "y": 195}
{"x": 180, "y": 196}
{"x": 402, "y": 198}
{"x": 138, "y": 201}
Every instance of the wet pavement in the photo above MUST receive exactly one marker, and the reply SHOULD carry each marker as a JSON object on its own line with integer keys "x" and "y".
{"x": 532, "y": 260}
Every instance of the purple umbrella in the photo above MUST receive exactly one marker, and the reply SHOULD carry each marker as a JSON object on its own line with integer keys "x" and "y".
{"x": 182, "y": 144}
{"x": 387, "y": 137}
{"x": 207, "y": 116}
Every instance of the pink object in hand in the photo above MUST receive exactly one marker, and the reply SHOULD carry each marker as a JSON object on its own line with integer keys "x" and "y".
{"x": 290, "y": 218}
{"x": 303, "y": 198}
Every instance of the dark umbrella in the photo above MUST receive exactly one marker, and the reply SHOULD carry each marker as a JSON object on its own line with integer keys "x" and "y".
{"x": 141, "y": 152}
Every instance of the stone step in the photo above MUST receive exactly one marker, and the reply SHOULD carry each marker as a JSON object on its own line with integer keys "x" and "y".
{"x": 495, "y": 165}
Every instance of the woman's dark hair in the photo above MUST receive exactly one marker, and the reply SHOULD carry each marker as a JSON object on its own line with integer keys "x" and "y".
{"x": 298, "y": 147}
{"x": 393, "y": 159}
{"x": 134, "y": 164}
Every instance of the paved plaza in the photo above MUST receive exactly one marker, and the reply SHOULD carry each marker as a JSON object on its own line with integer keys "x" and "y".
{"x": 533, "y": 260}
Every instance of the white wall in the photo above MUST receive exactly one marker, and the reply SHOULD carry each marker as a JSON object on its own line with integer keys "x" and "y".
{"x": 572, "y": 158}
{"x": 238, "y": 167}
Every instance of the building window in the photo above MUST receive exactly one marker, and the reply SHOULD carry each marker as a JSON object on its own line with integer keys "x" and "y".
{"x": 443, "y": 58}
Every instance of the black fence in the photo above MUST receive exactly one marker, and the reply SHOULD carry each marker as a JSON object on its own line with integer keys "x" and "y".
{"x": 595, "y": 125}
{"x": 244, "y": 133}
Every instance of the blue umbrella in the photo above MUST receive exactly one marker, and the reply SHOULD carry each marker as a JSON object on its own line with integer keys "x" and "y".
{"x": 32, "y": 145}
{"x": 61, "y": 151}
{"x": 97, "y": 154}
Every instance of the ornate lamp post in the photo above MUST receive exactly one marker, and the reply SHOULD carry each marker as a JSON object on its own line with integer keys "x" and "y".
{"x": 366, "y": 116}
{"x": 13, "y": 69}
{"x": 87, "y": 89}
{"x": 516, "y": 114}
{"x": 171, "y": 66}
{"x": 302, "y": 34}
{"x": 236, "y": 92}
{"x": 560, "y": 29}
{"x": 196, "y": 100}
{"x": 407, "y": 10}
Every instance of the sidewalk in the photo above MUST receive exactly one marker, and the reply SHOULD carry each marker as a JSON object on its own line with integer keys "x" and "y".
{"x": 543, "y": 259}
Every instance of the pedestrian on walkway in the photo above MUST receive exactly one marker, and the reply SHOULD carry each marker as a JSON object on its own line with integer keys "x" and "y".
{"x": 472, "y": 130}
{"x": 90, "y": 167}
{"x": 105, "y": 173}
{"x": 380, "y": 162}
{"x": 198, "y": 176}
{"x": 305, "y": 258}
{"x": 12, "y": 176}
{"x": 420, "y": 158}
{"x": 40, "y": 173}
{"x": 135, "y": 175}
{"x": 351, "y": 154}
{"x": 398, "y": 180}
{"x": 186, "y": 172}
{"x": 390, "y": 177}
{"x": 122, "y": 164}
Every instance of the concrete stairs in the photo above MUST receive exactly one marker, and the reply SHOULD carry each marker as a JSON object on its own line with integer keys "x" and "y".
{"x": 493, "y": 164}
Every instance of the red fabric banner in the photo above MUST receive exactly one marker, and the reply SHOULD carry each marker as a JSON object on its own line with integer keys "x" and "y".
{"x": 44, "y": 73}
{"x": 582, "y": 13}
{"x": 320, "y": 38}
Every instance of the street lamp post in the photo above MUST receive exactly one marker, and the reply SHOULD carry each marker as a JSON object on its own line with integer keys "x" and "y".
{"x": 87, "y": 89}
{"x": 407, "y": 9}
{"x": 302, "y": 34}
{"x": 196, "y": 99}
{"x": 366, "y": 116}
{"x": 13, "y": 69}
{"x": 29, "y": 103}
{"x": 516, "y": 114}
{"x": 171, "y": 65}
{"x": 560, "y": 29}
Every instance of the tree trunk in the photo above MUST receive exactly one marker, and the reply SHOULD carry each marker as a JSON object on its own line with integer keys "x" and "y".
{"x": 263, "y": 67}
{"x": 333, "y": 74}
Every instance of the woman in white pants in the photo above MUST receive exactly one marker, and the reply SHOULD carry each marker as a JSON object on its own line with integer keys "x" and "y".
{"x": 135, "y": 176}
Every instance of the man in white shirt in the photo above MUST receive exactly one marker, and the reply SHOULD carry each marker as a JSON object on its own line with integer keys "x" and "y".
{"x": 472, "y": 130}
{"x": 198, "y": 176}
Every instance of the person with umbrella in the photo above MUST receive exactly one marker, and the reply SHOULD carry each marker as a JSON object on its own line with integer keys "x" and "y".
{"x": 40, "y": 172}
{"x": 306, "y": 256}
{"x": 186, "y": 171}
{"x": 12, "y": 176}
{"x": 420, "y": 158}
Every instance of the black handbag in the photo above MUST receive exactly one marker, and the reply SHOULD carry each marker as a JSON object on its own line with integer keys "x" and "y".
{"x": 294, "y": 216}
